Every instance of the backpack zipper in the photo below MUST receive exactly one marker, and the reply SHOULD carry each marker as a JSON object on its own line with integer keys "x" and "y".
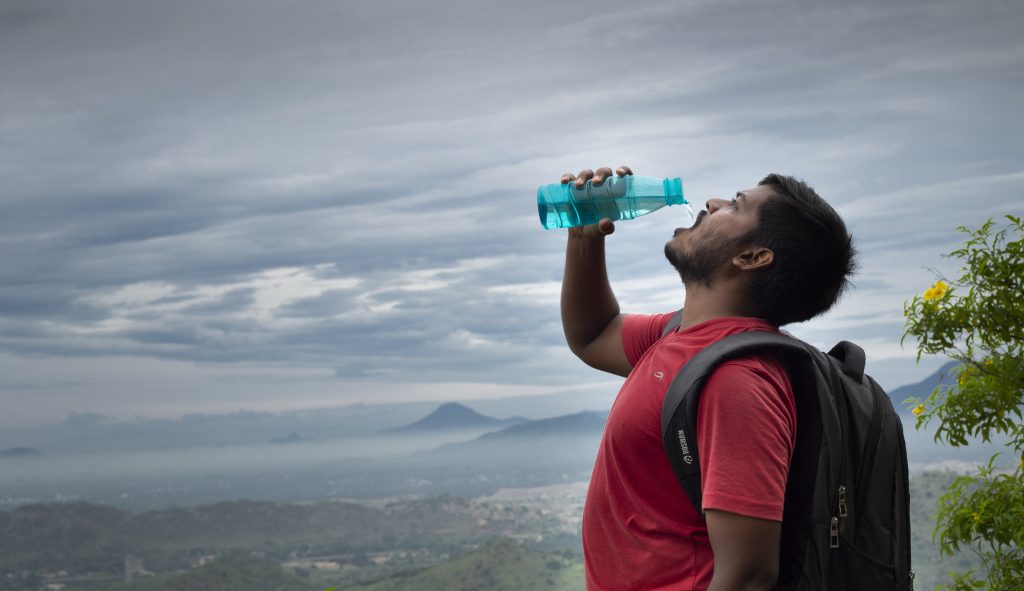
{"x": 840, "y": 403}
{"x": 833, "y": 532}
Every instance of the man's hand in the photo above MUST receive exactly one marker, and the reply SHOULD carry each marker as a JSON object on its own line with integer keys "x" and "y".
{"x": 597, "y": 177}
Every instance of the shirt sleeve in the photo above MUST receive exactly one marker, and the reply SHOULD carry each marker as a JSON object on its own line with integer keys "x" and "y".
{"x": 640, "y": 332}
{"x": 746, "y": 430}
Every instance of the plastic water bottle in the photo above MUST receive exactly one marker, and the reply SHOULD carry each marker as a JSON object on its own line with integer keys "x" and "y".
{"x": 617, "y": 198}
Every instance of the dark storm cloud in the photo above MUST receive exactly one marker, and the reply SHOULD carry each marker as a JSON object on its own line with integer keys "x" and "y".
{"x": 350, "y": 186}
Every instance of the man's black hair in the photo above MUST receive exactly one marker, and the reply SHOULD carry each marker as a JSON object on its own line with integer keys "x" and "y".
{"x": 814, "y": 253}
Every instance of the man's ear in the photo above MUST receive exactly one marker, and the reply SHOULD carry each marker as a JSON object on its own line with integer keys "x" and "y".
{"x": 753, "y": 258}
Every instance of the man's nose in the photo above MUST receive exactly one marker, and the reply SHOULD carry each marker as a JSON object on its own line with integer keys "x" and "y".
{"x": 714, "y": 205}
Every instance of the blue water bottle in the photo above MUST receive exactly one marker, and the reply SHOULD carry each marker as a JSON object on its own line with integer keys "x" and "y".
{"x": 617, "y": 198}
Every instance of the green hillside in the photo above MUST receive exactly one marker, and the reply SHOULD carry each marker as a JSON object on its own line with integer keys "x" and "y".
{"x": 499, "y": 565}
{"x": 400, "y": 545}
{"x": 237, "y": 571}
{"x": 79, "y": 537}
{"x": 84, "y": 538}
{"x": 241, "y": 523}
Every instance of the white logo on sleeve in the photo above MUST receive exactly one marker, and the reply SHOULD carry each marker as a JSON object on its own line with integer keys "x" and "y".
{"x": 659, "y": 375}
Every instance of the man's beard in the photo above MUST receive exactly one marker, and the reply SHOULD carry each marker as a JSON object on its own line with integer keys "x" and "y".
{"x": 704, "y": 260}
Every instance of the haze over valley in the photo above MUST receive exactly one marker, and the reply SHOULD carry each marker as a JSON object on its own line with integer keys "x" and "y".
{"x": 441, "y": 465}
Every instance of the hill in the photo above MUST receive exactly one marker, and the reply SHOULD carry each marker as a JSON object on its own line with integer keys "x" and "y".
{"x": 411, "y": 538}
{"x": 581, "y": 423}
{"x": 944, "y": 376}
{"x": 236, "y": 571}
{"x": 83, "y": 537}
{"x": 80, "y": 537}
{"x": 290, "y": 438}
{"x": 453, "y": 416}
{"x": 87, "y": 432}
{"x": 499, "y": 565}
{"x": 546, "y": 451}
{"x": 523, "y": 440}
{"x": 19, "y": 452}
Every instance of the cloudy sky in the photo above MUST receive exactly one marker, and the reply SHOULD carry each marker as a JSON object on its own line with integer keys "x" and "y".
{"x": 217, "y": 205}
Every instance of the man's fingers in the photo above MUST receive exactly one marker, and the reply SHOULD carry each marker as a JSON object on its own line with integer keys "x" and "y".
{"x": 583, "y": 177}
{"x": 605, "y": 226}
{"x": 601, "y": 174}
{"x": 595, "y": 176}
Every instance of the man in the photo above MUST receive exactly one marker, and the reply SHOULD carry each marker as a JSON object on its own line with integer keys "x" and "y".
{"x": 774, "y": 254}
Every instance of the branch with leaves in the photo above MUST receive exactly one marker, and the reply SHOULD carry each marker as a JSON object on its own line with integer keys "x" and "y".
{"x": 977, "y": 319}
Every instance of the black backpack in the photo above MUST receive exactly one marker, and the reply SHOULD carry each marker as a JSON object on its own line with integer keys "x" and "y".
{"x": 846, "y": 521}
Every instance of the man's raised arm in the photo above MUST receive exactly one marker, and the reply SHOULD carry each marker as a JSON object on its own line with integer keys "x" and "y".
{"x": 590, "y": 313}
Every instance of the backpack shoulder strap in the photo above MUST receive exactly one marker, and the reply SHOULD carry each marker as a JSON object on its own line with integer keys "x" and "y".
{"x": 673, "y": 322}
{"x": 679, "y": 409}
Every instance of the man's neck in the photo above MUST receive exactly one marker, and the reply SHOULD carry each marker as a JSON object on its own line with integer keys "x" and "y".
{"x": 703, "y": 303}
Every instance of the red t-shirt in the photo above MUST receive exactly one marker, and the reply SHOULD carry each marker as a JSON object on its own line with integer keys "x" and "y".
{"x": 639, "y": 529}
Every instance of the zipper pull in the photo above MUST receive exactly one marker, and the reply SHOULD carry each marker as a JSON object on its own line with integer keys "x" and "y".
{"x": 842, "y": 501}
{"x": 833, "y": 533}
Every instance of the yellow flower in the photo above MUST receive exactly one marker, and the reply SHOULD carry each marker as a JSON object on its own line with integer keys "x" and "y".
{"x": 976, "y": 516}
{"x": 936, "y": 292}
{"x": 918, "y": 410}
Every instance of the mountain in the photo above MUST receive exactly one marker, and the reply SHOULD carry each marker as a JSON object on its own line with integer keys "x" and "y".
{"x": 452, "y": 416}
{"x": 943, "y": 376}
{"x": 568, "y": 440}
{"x": 85, "y": 432}
{"x": 290, "y": 438}
{"x": 18, "y": 452}
{"x": 589, "y": 422}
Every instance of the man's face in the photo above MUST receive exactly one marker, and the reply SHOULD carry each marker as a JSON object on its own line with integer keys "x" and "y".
{"x": 701, "y": 252}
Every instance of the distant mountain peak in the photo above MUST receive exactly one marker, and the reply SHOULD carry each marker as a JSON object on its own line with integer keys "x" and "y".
{"x": 290, "y": 438}
{"x": 450, "y": 416}
{"x": 18, "y": 452}
{"x": 455, "y": 407}
{"x": 944, "y": 376}
{"x": 588, "y": 421}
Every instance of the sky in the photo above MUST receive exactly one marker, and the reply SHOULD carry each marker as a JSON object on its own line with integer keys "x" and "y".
{"x": 217, "y": 205}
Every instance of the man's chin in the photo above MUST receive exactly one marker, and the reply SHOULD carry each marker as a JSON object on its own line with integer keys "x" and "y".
{"x": 673, "y": 256}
